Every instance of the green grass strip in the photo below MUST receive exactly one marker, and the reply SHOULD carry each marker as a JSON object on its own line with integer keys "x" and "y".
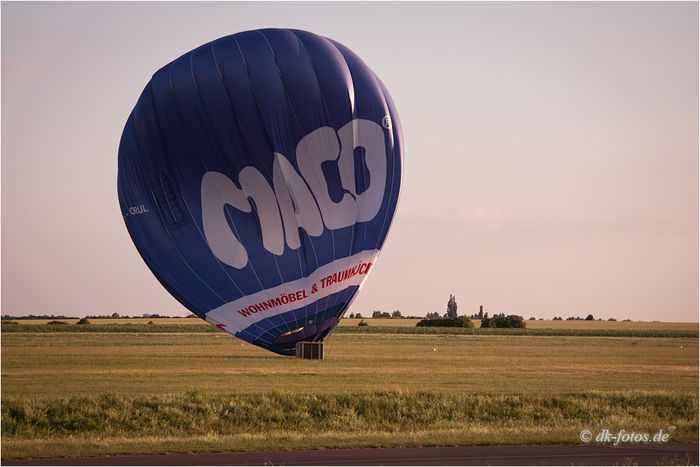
{"x": 96, "y": 423}
{"x": 196, "y": 413}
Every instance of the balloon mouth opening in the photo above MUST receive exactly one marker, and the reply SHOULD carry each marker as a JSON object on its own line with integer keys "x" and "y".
{"x": 286, "y": 342}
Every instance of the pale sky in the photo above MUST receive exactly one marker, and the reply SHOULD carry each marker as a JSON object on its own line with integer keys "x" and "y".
{"x": 551, "y": 151}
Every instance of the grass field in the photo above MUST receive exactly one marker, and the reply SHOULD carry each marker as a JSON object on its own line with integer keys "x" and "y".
{"x": 69, "y": 364}
{"x": 69, "y": 394}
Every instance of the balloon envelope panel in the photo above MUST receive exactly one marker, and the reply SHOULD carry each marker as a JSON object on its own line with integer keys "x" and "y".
{"x": 258, "y": 178}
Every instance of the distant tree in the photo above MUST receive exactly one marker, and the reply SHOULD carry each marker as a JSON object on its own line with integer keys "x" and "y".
{"x": 503, "y": 321}
{"x": 30, "y": 317}
{"x": 515, "y": 321}
{"x": 612, "y": 319}
{"x": 432, "y": 315}
{"x": 352, "y": 316}
{"x": 463, "y": 322}
{"x": 83, "y": 321}
{"x": 358, "y": 316}
{"x": 115, "y": 315}
{"x": 480, "y": 314}
{"x": 532, "y": 318}
{"x": 381, "y": 314}
{"x": 451, "y": 307}
{"x": 589, "y": 318}
{"x": 487, "y": 322}
{"x": 458, "y": 322}
{"x": 557, "y": 318}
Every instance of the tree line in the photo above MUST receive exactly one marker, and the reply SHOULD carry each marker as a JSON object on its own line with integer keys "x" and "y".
{"x": 451, "y": 318}
{"x": 112, "y": 316}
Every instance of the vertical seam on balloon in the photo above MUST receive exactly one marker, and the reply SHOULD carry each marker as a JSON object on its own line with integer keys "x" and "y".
{"x": 179, "y": 114}
{"x": 396, "y": 160}
{"x": 330, "y": 120}
{"x": 354, "y": 117}
{"x": 354, "y": 113}
{"x": 244, "y": 136}
{"x": 264, "y": 125}
{"x": 241, "y": 131}
{"x": 150, "y": 261}
{"x": 184, "y": 201}
{"x": 296, "y": 119}
{"x": 204, "y": 164}
{"x": 170, "y": 236}
{"x": 393, "y": 174}
{"x": 328, "y": 115}
{"x": 257, "y": 208}
{"x": 205, "y": 122}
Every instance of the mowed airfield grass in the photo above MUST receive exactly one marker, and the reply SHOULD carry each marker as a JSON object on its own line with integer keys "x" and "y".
{"x": 77, "y": 394}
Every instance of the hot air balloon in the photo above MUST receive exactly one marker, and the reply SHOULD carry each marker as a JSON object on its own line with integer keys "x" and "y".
{"x": 258, "y": 178}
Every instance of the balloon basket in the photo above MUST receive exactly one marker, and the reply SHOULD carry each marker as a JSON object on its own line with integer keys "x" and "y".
{"x": 309, "y": 350}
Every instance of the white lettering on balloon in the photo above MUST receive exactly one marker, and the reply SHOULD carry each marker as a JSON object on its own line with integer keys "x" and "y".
{"x": 297, "y": 200}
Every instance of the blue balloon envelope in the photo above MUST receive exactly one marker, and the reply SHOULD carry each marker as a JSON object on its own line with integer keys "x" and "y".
{"x": 258, "y": 178}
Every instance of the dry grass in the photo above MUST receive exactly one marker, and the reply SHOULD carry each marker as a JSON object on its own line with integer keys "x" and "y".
{"x": 67, "y": 364}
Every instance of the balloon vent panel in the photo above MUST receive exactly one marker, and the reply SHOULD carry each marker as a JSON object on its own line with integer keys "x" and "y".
{"x": 309, "y": 350}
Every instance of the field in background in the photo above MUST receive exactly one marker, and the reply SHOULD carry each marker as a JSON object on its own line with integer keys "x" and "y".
{"x": 536, "y": 324}
{"x": 89, "y": 393}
